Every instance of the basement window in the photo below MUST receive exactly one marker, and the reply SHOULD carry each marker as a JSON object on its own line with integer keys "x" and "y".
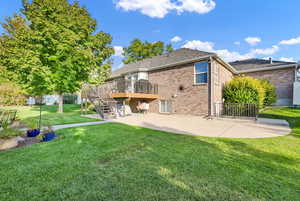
{"x": 201, "y": 73}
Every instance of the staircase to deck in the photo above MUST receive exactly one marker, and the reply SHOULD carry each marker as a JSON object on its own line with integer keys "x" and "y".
{"x": 99, "y": 96}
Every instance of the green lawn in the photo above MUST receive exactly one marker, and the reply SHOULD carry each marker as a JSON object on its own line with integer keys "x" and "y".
{"x": 118, "y": 162}
{"x": 292, "y": 115}
{"x": 50, "y": 116}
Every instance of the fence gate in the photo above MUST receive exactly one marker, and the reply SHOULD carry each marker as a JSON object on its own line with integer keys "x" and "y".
{"x": 236, "y": 110}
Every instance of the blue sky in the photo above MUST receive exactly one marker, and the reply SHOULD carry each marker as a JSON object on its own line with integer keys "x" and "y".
{"x": 234, "y": 29}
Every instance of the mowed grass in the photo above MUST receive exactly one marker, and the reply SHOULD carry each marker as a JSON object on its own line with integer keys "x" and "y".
{"x": 50, "y": 116}
{"x": 114, "y": 162}
{"x": 292, "y": 115}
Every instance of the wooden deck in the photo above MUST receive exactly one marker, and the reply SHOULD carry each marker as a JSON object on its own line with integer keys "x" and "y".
{"x": 135, "y": 95}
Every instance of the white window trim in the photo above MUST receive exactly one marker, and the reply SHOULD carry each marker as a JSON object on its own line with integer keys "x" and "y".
{"x": 160, "y": 107}
{"x": 195, "y": 73}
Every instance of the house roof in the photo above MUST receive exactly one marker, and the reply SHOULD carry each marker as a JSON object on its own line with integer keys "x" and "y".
{"x": 183, "y": 55}
{"x": 258, "y": 64}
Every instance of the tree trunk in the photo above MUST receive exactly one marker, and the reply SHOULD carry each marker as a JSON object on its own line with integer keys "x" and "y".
{"x": 60, "y": 104}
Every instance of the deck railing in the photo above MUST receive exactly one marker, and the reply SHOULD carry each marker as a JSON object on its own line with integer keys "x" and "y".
{"x": 130, "y": 86}
{"x": 236, "y": 110}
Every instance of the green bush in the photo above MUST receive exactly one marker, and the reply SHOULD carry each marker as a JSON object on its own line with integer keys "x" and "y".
{"x": 244, "y": 90}
{"x": 11, "y": 94}
{"x": 270, "y": 92}
{"x": 250, "y": 90}
{"x": 9, "y": 133}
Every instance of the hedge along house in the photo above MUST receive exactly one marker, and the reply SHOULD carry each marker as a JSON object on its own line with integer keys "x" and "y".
{"x": 284, "y": 75}
{"x": 190, "y": 82}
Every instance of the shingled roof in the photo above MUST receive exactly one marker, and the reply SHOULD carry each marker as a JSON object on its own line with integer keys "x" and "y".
{"x": 257, "y": 64}
{"x": 177, "y": 56}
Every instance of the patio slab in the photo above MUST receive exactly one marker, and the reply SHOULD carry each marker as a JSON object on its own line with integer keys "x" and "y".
{"x": 199, "y": 126}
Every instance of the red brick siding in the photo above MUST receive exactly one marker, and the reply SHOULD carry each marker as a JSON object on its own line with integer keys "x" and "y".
{"x": 283, "y": 79}
{"x": 221, "y": 76}
{"x": 193, "y": 99}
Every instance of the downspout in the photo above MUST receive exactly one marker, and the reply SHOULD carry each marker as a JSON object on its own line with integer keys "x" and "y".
{"x": 296, "y": 71}
{"x": 212, "y": 88}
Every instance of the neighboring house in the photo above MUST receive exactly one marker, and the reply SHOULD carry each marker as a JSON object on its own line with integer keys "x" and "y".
{"x": 281, "y": 74}
{"x": 188, "y": 81}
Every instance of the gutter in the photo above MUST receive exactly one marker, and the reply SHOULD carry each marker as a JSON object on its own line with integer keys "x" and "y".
{"x": 212, "y": 87}
{"x": 167, "y": 66}
{"x": 267, "y": 68}
{"x": 296, "y": 71}
{"x": 229, "y": 67}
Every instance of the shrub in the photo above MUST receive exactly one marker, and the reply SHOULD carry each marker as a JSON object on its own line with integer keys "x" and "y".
{"x": 10, "y": 133}
{"x": 270, "y": 92}
{"x": 11, "y": 94}
{"x": 250, "y": 90}
{"x": 6, "y": 132}
{"x": 244, "y": 90}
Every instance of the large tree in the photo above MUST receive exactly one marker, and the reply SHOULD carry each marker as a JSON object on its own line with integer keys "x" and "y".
{"x": 139, "y": 50}
{"x": 53, "y": 47}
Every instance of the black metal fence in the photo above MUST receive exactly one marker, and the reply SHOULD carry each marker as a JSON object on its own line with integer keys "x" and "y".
{"x": 236, "y": 110}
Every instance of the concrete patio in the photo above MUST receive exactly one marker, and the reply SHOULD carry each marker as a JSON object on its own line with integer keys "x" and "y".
{"x": 199, "y": 126}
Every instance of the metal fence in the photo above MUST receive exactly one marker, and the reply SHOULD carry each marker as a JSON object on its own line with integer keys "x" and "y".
{"x": 131, "y": 86}
{"x": 236, "y": 110}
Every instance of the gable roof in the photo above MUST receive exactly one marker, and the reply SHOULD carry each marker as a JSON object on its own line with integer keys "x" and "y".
{"x": 181, "y": 56}
{"x": 259, "y": 64}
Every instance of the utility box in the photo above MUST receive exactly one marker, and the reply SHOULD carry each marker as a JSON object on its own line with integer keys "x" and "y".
{"x": 296, "y": 93}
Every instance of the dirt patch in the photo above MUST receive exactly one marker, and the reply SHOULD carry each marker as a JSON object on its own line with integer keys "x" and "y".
{"x": 28, "y": 141}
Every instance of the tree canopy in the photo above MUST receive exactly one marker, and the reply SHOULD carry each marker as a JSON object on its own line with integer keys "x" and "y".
{"x": 139, "y": 50}
{"x": 53, "y": 47}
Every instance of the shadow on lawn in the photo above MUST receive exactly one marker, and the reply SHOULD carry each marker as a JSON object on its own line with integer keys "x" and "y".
{"x": 73, "y": 108}
{"x": 166, "y": 166}
{"x": 292, "y": 115}
{"x": 118, "y": 162}
{"x": 51, "y": 117}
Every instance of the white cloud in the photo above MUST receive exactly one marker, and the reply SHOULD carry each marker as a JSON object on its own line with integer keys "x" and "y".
{"x": 292, "y": 41}
{"x": 266, "y": 51}
{"x": 198, "y": 6}
{"x": 253, "y": 40}
{"x": 118, "y": 51}
{"x": 231, "y": 56}
{"x": 287, "y": 59}
{"x": 200, "y": 45}
{"x": 237, "y": 43}
{"x": 176, "y": 39}
{"x": 228, "y": 55}
{"x": 160, "y": 8}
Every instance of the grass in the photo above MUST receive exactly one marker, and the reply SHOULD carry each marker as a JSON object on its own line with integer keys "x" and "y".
{"x": 292, "y": 115}
{"x": 114, "y": 162}
{"x": 50, "y": 116}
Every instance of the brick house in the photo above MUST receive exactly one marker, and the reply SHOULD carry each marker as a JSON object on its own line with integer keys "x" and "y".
{"x": 188, "y": 81}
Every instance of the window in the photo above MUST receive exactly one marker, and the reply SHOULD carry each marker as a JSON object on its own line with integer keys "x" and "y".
{"x": 165, "y": 106}
{"x": 132, "y": 76}
{"x": 201, "y": 73}
{"x": 298, "y": 74}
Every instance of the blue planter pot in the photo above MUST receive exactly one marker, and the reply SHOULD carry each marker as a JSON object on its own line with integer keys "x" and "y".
{"x": 33, "y": 133}
{"x": 48, "y": 136}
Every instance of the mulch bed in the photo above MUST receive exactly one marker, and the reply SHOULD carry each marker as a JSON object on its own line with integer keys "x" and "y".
{"x": 28, "y": 142}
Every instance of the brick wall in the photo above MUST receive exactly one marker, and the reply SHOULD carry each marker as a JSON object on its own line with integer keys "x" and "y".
{"x": 221, "y": 76}
{"x": 283, "y": 79}
{"x": 177, "y": 84}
